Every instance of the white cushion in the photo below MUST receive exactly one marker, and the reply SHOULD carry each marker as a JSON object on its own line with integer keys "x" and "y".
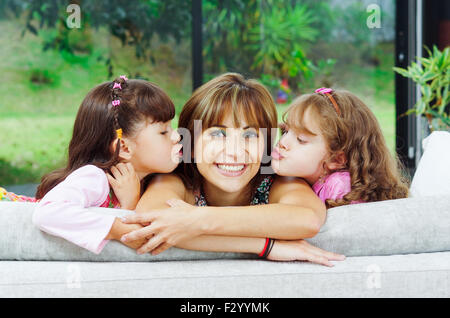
{"x": 432, "y": 176}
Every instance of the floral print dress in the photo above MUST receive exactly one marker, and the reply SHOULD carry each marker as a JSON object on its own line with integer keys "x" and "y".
{"x": 261, "y": 195}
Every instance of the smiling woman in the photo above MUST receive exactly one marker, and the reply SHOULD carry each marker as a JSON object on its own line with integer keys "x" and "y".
{"x": 214, "y": 193}
{"x": 237, "y": 119}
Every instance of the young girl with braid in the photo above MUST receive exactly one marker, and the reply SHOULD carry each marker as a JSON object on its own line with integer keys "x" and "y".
{"x": 332, "y": 140}
{"x": 122, "y": 133}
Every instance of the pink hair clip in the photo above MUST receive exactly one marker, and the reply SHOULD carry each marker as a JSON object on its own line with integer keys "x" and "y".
{"x": 326, "y": 92}
{"x": 123, "y": 77}
{"x": 117, "y": 85}
{"x": 323, "y": 90}
{"x": 116, "y": 102}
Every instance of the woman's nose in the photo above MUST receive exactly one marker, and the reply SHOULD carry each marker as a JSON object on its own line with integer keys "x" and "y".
{"x": 235, "y": 147}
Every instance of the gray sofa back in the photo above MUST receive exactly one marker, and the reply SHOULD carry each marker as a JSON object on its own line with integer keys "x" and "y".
{"x": 404, "y": 226}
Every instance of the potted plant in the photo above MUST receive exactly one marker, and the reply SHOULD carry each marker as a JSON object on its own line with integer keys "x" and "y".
{"x": 433, "y": 76}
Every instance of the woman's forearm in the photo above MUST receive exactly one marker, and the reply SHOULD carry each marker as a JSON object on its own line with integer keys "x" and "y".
{"x": 277, "y": 220}
{"x": 215, "y": 243}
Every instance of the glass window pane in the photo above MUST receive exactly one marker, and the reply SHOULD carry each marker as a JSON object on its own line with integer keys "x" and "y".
{"x": 52, "y": 55}
{"x": 295, "y": 46}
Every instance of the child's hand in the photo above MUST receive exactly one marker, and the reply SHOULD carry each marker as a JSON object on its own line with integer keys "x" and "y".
{"x": 301, "y": 250}
{"x": 126, "y": 185}
{"x": 119, "y": 229}
{"x": 135, "y": 244}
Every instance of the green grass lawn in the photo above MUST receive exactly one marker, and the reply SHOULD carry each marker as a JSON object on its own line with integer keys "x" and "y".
{"x": 36, "y": 120}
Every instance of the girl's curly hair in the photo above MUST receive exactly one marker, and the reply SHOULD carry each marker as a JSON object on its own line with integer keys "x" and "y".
{"x": 375, "y": 174}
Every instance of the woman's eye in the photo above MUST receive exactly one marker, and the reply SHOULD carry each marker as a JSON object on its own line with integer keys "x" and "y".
{"x": 218, "y": 133}
{"x": 300, "y": 140}
{"x": 250, "y": 134}
{"x": 164, "y": 132}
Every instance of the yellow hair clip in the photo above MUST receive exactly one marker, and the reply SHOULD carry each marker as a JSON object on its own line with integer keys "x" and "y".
{"x": 119, "y": 133}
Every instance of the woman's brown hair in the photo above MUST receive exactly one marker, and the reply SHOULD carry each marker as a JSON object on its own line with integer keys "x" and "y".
{"x": 227, "y": 93}
{"x": 97, "y": 120}
{"x": 375, "y": 174}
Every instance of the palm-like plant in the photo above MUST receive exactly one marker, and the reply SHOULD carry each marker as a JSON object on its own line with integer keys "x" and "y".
{"x": 281, "y": 32}
{"x": 225, "y": 31}
{"x": 433, "y": 76}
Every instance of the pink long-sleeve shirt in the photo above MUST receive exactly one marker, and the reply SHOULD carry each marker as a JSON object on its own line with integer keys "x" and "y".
{"x": 63, "y": 210}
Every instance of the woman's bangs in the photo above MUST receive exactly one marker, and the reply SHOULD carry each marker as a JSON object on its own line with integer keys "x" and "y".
{"x": 245, "y": 110}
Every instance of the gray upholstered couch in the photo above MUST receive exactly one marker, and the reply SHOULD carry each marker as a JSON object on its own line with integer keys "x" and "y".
{"x": 398, "y": 248}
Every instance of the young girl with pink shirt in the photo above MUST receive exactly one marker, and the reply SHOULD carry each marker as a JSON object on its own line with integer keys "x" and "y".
{"x": 332, "y": 140}
{"x": 122, "y": 134}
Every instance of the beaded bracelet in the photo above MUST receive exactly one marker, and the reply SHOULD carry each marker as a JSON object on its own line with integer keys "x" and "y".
{"x": 267, "y": 248}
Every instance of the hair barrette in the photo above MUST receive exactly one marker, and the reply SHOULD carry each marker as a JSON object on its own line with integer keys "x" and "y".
{"x": 119, "y": 133}
{"x": 327, "y": 92}
{"x": 324, "y": 90}
{"x": 116, "y": 102}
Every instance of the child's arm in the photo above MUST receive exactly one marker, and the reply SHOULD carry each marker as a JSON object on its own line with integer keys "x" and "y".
{"x": 126, "y": 185}
{"x": 63, "y": 210}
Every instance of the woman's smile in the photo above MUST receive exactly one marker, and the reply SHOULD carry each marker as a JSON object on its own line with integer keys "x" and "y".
{"x": 231, "y": 169}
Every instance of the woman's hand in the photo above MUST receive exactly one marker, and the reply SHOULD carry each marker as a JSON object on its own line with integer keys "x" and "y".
{"x": 167, "y": 228}
{"x": 119, "y": 229}
{"x": 301, "y": 250}
{"x": 126, "y": 185}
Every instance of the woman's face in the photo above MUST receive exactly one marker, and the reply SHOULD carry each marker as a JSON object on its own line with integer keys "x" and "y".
{"x": 228, "y": 157}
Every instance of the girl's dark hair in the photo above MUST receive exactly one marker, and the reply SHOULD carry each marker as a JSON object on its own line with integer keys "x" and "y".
{"x": 94, "y": 130}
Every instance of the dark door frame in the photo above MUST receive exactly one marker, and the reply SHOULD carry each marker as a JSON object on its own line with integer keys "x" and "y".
{"x": 197, "y": 44}
{"x": 408, "y": 43}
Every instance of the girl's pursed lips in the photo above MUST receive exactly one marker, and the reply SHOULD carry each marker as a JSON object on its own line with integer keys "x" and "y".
{"x": 276, "y": 154}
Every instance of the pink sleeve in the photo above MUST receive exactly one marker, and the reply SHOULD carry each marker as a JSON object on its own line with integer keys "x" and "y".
{"x": 336, "y": 186}
{"x": 63, "y": 210}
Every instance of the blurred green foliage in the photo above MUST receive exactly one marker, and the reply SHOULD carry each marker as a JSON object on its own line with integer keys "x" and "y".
{"x": 135, "y": 23}
{"x": 259, "y": 36}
